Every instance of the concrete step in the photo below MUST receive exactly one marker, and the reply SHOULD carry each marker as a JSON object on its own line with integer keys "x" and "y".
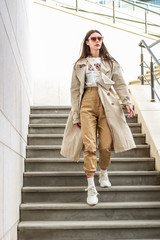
{"x": 59, "y": 128}
{"x": 50, "y": 109}
{"x": 78, "y": 194}
{"x": 65, "y": 230}
{"x": 156, "y": 70}
{"x": 84, "y": 212}
{"x": 78, "y": 178}
{"x": 61, "y": 118}
{"x": 45, "y": 151}
{"x": 148, "y": 74}
{"x": 54, "y": 109}
{"x": 59, "y": 164}
{"x": 54, "y": 197}
{"x": 157, "y": 67}
{"x": 56, "y": 139}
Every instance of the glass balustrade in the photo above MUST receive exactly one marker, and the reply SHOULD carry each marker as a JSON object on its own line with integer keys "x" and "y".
{"x": 152, "y": 5}
{"x": 127, "y": 15}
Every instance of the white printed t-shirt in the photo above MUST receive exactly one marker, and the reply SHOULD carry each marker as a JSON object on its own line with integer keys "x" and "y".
{"x": 91, "y": 74}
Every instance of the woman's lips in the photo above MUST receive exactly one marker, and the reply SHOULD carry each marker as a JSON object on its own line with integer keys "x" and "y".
{"x": 97, "y": 45}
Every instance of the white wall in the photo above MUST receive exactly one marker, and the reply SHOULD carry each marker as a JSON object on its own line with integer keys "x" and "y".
{"x": 15, "y": 99}
{"x": 56, "y": 40}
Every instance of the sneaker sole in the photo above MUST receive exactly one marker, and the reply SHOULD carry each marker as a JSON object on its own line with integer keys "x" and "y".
{"x": 92, "y": 203}
{"x": 104, "y": 186}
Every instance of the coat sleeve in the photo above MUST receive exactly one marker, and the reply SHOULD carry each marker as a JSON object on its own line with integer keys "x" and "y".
{"x": 75, "y": 94}
{"x": 120, "y": 85}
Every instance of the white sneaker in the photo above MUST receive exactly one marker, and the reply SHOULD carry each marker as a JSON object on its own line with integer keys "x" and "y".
{"x": 103, "y": 179}
{"x": 92, "y": 195}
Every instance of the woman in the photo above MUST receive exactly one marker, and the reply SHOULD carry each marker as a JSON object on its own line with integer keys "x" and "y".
{"x": 95, "y": 106}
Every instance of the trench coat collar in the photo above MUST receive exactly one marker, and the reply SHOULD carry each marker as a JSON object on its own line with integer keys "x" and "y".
{"x": 81, "y": 68}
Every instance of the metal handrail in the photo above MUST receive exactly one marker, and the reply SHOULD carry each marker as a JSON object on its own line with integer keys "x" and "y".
{"x": 133, "y": 4}
{"x": 155, "y": 43}
{"x": 114, "y": 17}
{"x": 147, "y": 3}
{"x": 136, "y": 5}
{"x": 104, "y": 6}
{"x": 143, "y": 45}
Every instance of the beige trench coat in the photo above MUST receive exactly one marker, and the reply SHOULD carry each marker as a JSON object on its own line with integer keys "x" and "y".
{"x": 122, "y": 137}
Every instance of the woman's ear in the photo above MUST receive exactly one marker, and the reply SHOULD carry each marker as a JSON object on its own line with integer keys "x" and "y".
{"x": 87, "y": 42}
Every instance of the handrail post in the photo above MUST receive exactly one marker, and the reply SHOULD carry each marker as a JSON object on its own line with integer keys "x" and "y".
{"x": 152, "y": 82}
{"x": 142, "y": 67}
{"x": 119, "y": 3}
{"x": 133, "y": 6}
{"x": 77, "y": 5}
{"x": 146, "y": 30}
{"x": 114, "y": 11}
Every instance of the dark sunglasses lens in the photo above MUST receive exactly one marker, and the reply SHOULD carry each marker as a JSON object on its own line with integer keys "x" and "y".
{"x": 99, "y": 38}
{"x": 93, "y": 39}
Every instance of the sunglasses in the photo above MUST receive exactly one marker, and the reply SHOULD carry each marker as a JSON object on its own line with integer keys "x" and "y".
{"x": 100, "y": 38}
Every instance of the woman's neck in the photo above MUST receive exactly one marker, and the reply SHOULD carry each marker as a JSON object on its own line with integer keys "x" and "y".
{"x": 94, "y": 53}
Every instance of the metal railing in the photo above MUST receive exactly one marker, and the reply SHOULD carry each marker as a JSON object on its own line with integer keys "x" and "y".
{"x": 110, "y": 10}
{"x": 143, "y": 65}
{"x": 146, "y": 10}
{"x": 120, "y": 4}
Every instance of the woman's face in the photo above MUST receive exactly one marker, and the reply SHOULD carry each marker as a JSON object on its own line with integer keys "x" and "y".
{"x": 95, "y": 41}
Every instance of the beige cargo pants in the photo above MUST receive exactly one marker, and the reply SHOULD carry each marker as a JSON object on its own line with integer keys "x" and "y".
{"x": 93, "y": 117}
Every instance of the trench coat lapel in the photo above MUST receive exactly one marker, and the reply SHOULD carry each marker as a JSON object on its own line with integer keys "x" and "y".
{"x": 105, "y": 68}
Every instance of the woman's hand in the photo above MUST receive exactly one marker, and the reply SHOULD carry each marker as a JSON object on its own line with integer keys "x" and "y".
{"x": 78, "y": 125}
{"x": 130, "y": 111}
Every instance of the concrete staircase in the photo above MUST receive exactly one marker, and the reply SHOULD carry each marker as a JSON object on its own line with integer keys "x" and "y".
{"x": 54, "y": 198}
{"x": 147, "y": 77}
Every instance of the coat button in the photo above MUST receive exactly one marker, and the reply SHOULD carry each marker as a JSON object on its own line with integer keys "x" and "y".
{"x": 112, "y": 103}
{"x": 108, "y": 93}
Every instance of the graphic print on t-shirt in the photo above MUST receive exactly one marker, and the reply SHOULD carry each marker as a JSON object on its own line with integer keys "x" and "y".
{"x": 90, "y": 68}
{"x": 97, "y": 65}
{"x": 92, "y": 71}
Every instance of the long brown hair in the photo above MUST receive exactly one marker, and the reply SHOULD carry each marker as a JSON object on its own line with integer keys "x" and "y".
{"x": 104, "y": 54}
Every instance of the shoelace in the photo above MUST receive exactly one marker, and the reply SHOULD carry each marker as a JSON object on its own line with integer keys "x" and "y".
{"x": 104, "y": 176}
{"x": 93, "y": 189}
